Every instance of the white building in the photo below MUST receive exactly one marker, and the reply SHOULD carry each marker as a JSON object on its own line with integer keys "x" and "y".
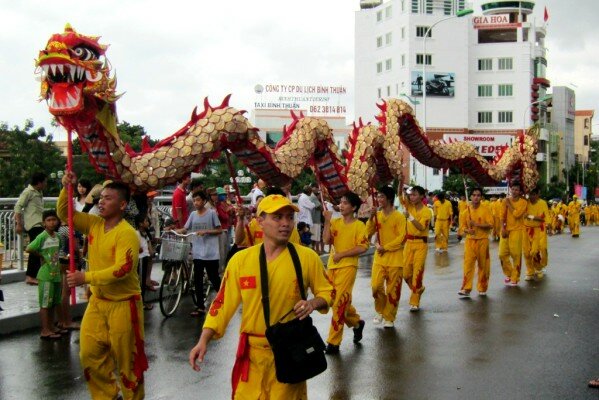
{"x": 483, "y": 71}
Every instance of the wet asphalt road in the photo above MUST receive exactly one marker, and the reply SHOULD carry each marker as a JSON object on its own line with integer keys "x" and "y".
{"x": 536, "y": 341}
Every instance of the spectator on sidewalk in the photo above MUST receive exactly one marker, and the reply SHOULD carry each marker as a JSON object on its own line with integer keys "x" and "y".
{"x": 316, "y": 227}
{"x": 28, "y": 218}
{"x": 46, "y": 245}
{"x": 179, "y": 204}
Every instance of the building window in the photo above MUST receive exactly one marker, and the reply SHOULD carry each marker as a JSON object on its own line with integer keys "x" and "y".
{"x": 415, "y": 6}
{"x": 586, "y": 140}
{"x": 461, "y": 5}
{"x": 506, "y": 90}
{"x": 379, "y": 67}
{"x": 388, "y": 38}
{"x": 485, "y": 64}
{"x": 388, "y": 91}
{"x": 379, "y": 92}
{"x": 402, "y": 5}
{"x": 403, "y": 32}
{"x": 421, "y": 31}
{"x": 388, "y": 12}
{"x": 505, "y": 64}
{"x": 379, "y": 16}
{"x": 429, "y": 6}
{"x": 436, "y": 171}
{"x": 388, "y": 65}
{"x": 485, "y": 90}
{"x": 485, "y": 117}
{"x": 505, "y": 117}
{"x": 379, "y": 42}
{"x": 447, "y": 7}
{"x": 428, "y": 59}
{"x": 403, "y": 60}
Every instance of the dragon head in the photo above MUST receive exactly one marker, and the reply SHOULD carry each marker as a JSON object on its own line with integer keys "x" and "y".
{"x": 72, "y": 68}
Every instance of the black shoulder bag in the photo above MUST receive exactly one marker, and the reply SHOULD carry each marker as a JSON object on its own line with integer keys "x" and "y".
{"x": 297, "y": 346}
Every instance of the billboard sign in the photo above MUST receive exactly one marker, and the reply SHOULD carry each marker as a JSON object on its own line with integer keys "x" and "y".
{"x": 316, "y": 99}
{"x": 440, "y": 84}
{"x": 486, "y": 145}
{"x": 497, "y": 21}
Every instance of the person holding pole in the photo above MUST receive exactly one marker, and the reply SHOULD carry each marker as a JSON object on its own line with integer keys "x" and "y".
{"x": 476, "y": 222}
{"x": 112, "y": 329}
{"x": 443, "y": 215}
{"x": 390, "y": 227}
{"x": 512, "y": 227}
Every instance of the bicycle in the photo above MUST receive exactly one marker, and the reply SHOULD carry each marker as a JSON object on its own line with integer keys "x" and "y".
{"x": 178, "y": 276}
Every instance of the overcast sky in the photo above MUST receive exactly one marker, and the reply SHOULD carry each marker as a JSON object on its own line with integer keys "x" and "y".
{"x": 169, "y": 55}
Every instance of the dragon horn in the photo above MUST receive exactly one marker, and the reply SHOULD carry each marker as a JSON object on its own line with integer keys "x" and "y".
{"x": 194, "y": 114}
{"x": 206, "y": 104}
{"x": 293, "y": 115}
{"x": 225, "y": 102}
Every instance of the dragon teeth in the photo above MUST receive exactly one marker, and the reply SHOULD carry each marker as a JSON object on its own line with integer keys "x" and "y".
{"x": 60, "y": 68}
{"x": 72, "y": 71}
{"x": 53, "y": 69}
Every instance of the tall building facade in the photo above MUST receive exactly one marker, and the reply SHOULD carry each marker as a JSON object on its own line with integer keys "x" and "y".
{"x": 483, "y": 73}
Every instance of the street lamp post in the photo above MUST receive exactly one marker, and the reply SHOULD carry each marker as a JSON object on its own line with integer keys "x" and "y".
{"x": 458, "y": 14}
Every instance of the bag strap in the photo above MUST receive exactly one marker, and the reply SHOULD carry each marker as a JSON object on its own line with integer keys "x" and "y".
{"x": 264, "y": 280}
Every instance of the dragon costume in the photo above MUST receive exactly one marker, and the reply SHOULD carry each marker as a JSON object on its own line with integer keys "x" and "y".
{"x": 81, "y": 94}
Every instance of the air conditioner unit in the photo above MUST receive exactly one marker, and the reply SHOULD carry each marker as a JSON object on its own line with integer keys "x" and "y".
{"x": 544, "y": 135}
{"x": 541, "y": 157}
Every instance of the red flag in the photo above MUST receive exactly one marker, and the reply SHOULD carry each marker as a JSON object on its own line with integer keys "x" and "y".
{"x": 545, "y": 15}
{"x": 247, "y": 282}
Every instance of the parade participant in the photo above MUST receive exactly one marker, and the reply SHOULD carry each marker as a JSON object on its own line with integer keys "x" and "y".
{"x": 254, "y": 370}
{"x": 558, "y": 217}
{"x": 587, "y": 214}
{"x": 112, "y": 330}
{"x": 512, "y": 225}
{"x": 46, "y": 246}
{"x": 387, "y": 273}
{"x": 476, "y": 222}
{"x": 180, "y": 212}
{"x": 443, "y": 216}
{"x": 574, "y": 217}
{"x": 28, "y": 218}
{"x": 205, "y": 249}
{"x": 496, "y": 210}
{"x": 595, "y": 214}
{"x": 348, "y": 239}
{"x": 534, "y": 240}
{"x": 415, "y": 250}
{"x": 549, "y": 218}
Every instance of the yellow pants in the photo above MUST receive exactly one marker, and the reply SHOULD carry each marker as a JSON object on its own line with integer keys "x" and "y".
{"x": 574, "y": 222}
{"x": 534, "y": 248}
{"x": 262, "y": 383}
{"x": 108, "y": 344}
{"x": 386, "y": 290}
{"x": 414, "y": 257}
{"x": 510, "y": 251}
{"x": 343, "y": 311}
{"x": 441, "y": 234}
{"x": 476, "y": 251}
{"x": 496, "y": 227}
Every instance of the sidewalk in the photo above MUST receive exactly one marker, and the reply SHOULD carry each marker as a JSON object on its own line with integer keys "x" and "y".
{"x": 21, "y": 308}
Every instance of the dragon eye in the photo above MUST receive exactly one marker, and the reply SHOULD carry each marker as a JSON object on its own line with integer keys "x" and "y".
{"x": 84, "y": 54}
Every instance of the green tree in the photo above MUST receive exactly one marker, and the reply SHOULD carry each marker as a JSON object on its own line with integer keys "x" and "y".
{"x": 24, "y": 151}
{"x": 454, "y": 183}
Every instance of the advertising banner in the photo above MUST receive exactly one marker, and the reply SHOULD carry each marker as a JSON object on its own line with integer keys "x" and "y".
{"x": 316, "y": 99}
{"x": 486, "y": 145}
{"x": 497, "y": 21}
{"x": 440, "y": 84}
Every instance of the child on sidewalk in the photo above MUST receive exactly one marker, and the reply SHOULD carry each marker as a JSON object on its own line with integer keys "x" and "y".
{"x": 46, "y": 245}
{"x": 142, "y": 224}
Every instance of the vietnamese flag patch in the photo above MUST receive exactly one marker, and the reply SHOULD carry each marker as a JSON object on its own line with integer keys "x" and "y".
{"x": 247, "y": 282}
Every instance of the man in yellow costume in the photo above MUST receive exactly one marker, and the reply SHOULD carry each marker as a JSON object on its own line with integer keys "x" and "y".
{"x": 443, "y": 215}
{"x": 595, "y": 214}
{"x": 574, "y": 217}
{"x": 254, "y": 375}
{"x": 588, "y": 212}
{"x": 386, "y": 279}
{"x": 348, "y": 239}
{"x": 496, "y": 209}
{"x": 416, "y": 247}
{"x": 476, "y": 222}
{"x": 510, "y": 244}
{"x": 112, "y": 330}
{"x": 534, "y": 241}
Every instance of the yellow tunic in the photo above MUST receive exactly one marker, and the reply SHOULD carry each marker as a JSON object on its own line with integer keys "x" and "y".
{"x": 241, "y": 285}
{"x": 423, "y": 216}
{"x": 346, "y": 237}
{"x": 480, "y": 215}
{"x": 112, "y": 255}
{"x": 539, "y": 209}
{"x": 392, "y": 231}
{"x": 443, "y": 211}
{"x": 258, "y": 235}
{"x": 462, "y": 204}
{"x": 515, "y": 219}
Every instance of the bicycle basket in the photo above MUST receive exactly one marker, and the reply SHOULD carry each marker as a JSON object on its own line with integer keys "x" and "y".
{"x": 174, "y": 249}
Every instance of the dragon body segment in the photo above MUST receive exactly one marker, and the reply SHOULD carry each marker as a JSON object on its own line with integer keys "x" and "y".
{"x": 81, "y": 94}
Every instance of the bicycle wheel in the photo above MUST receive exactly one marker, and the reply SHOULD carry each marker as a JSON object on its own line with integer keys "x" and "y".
{"x": 171, "y": 290}
{"x": 192, "y": 287}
